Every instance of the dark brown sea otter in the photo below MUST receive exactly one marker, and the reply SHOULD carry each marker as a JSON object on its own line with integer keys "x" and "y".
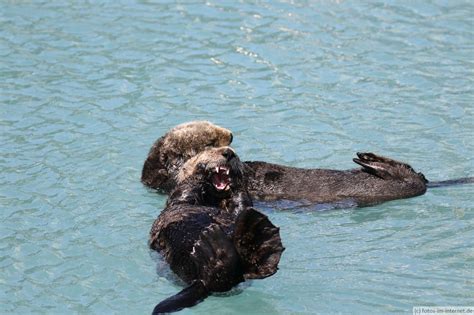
{"x": 209, "y": 233}
{"x": 380, "y": 179}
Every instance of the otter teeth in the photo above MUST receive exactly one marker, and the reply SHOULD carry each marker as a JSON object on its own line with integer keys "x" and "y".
{"x": 219, "y": 169}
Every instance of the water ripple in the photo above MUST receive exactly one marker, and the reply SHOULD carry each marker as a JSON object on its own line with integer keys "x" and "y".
{"x": 87, "y": 87}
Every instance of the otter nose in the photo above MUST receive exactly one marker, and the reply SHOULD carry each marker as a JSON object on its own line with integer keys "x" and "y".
{"x": 228, "y": 154}
{"x": 231, "y": 138}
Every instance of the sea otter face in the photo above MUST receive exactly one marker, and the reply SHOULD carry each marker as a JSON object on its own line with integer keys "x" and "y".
{"x": 181, "y": 143}
{"x": 220, "y": 167}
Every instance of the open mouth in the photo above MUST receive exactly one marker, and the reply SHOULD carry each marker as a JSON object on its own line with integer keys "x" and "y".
{"x": 221, "y": 178}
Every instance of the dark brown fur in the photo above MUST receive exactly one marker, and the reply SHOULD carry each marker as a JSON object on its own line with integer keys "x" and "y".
{"x": 380, "y": 179}
{"x": 212, "y": 238}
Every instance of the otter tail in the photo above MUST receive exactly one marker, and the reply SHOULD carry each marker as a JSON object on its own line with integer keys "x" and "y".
{"x": 188, "y": 297}
{"x": 258, "y": 243}
{"x": 450, "y": 182}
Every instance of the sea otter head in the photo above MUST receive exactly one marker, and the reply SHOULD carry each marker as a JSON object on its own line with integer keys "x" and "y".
{"x": 181, "y": 143}
{"x": 188, "y": 139}
{"x": 218, "y": 171}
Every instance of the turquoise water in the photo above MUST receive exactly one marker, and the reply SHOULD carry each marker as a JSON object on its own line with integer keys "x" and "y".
{"x": 87, "y": 87}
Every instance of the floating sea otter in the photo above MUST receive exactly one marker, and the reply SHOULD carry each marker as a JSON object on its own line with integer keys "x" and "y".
{"x": 380, "y": 179}
{"x": 209, "y": 233}
{"x": 181, "y": 143}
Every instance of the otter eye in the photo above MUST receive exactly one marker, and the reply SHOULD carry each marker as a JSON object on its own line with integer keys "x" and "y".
{"x": 201, "y": 166}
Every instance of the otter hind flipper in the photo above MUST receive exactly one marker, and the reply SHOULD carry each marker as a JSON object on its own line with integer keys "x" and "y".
{"x": 188, "y": 297}
{"x": 217, "y": 260}
{"x": 385, "y": 168}
{"x": 258, "y": 242}
{"x": 217, "y": 266}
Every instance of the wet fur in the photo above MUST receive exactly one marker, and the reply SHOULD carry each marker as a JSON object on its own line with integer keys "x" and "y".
{"x": 379, "y": 179}
{"x": 213, "y": 240}
{"x": 181, "y": 143}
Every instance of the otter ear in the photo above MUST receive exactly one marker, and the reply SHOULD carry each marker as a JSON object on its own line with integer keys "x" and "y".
{"x": 258, "y": 243}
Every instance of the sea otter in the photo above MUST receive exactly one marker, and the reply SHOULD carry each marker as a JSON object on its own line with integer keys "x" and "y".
{"x": 209, "y": 233}
{"x": 380, "y": 179}
{"x": 184, "y": 141}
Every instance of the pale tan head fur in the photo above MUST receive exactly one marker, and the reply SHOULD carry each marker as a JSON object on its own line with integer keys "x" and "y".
{"x": 181, "y": 143}
{"x": 190, "y": 138}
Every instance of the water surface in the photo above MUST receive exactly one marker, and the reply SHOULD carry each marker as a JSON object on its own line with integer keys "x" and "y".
{"x": 87, "y": 87}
